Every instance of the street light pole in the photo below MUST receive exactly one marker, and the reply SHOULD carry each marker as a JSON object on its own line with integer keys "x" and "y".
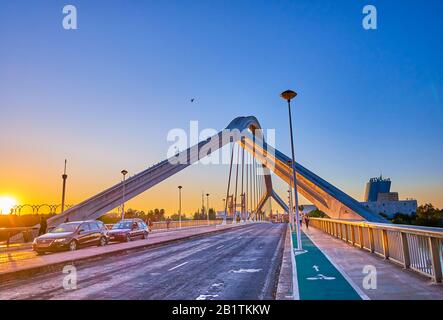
{"x": 224, "y": 217}
{"x": 207, "y": 205}
{"x": 124, "y": 173}
{"x": 291, "y": 202}
{"x": 180, "y": 206}
{"x": 288, "y": 95}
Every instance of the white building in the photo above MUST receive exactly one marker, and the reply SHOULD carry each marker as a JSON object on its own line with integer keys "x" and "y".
{"x": 390, "y": 208}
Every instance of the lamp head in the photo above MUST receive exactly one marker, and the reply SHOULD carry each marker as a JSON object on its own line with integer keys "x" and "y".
{"x": 288, "y": 95}
{"x": 124, "y": 172}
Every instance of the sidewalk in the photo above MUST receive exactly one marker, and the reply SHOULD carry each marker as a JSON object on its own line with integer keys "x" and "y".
{"x": 24, "y": 262}
{"x": 393, "y": 282}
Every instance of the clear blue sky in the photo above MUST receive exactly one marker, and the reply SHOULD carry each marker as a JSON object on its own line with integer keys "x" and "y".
{"x": 106, "y": 95}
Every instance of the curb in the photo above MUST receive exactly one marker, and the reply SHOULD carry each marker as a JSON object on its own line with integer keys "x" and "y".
{"x": 14, "y": 275}
{"x": 285, "y": 287}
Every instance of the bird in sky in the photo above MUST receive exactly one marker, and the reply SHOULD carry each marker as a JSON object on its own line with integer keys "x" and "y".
{"x": 192, "y": 100}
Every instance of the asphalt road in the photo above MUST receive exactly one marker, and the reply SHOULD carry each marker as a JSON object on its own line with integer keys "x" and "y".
{"x": 241, "y": 263}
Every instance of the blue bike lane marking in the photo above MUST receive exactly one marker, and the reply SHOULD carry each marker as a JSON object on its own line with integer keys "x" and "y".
{"x": 318, "y": 278}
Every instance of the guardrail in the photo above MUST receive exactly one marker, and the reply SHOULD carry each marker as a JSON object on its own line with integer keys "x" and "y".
{"x": 417, "y": 248}
{"x": 176, "y": 224}
{"x": 27, "y": 234}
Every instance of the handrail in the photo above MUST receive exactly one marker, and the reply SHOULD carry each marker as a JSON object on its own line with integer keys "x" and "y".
{"x": 419, "y": 230}
{"x": 414, "y": 247}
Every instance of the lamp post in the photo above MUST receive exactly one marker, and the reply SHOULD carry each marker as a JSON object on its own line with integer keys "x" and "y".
{"x": 64, "y": 177}
{"x": 207, "y": 205}
{"x": 288, "y": 95}
{"x": 224, "y": 208}
{"x": 124, "y": 173}
{"x": 291, "y": 202}
{"x": 180, "y": 206}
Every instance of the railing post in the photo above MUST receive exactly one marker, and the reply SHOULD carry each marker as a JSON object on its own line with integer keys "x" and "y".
{"x": 371, "y": 240}
{"x": 405, "y": 247}
{"x": 435, "y": 256}
{"x": 360, "y": 236}
{"x": 346, "y": 233}
{"x": 384, "y": 236}
{"x": 353, "y": 235}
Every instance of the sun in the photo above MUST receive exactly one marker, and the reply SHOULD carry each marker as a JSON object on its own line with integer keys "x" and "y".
{"x": 6, "y": 204}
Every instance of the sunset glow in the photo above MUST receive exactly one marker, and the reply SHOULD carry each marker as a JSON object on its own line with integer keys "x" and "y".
{"x": 6, "y": 204}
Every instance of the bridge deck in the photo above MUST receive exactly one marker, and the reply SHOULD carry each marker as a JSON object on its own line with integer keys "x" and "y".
{"x": 393, "y": 282}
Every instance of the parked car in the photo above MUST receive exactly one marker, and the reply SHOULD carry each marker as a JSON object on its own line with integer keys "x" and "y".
{"x": 128, "y": 229}
{"x": 71, "y": 236}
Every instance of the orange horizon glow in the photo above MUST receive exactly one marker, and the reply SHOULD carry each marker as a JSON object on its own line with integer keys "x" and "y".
{"x": 6, "y": 204}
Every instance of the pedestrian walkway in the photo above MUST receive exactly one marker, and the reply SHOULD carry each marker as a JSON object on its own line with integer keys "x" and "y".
{"x": 392, "y": 281}
{"x": 318, "y": 278}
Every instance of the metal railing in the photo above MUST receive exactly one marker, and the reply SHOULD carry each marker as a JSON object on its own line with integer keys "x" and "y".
{"x": 413, "y": 247}
{"x": 23, "y": 234}
{"x": 162, "y": 225}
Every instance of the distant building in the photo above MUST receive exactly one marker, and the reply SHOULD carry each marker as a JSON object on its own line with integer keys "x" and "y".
{"x": 376, "y": 186}
{"x": 380, "y": 199}
{"x": 388, "y": 196}
{"x": 390, "y": 208}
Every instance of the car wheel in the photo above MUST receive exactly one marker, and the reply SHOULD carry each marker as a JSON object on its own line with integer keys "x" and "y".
{"x": 40, "y": 253}
{"x": 145, "y": 235}
{"x": 128, "y": 237}
{"x": 103, "y": 241}
{"x": 73, "y": 245}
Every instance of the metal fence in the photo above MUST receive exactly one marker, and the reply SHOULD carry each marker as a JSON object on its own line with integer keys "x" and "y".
{"x": 417, "y": 248}
{"x": 184, "y": 224}
{"x": 27, "y": 234}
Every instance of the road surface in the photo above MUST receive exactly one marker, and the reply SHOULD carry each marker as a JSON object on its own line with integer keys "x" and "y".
{"x": 240, "y": 263}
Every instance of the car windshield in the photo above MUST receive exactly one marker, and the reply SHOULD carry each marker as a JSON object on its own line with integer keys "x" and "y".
{"x": 65, "y": 227}
{"x": 122, "y": 225}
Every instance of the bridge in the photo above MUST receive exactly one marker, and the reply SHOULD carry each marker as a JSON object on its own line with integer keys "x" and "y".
{"x": 354, "y": 254}
{"x": 245, "y": 132}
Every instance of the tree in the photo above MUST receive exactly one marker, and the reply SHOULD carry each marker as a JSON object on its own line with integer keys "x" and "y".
{"x": 426, "y": 215}
{"x": 317, "y": 214}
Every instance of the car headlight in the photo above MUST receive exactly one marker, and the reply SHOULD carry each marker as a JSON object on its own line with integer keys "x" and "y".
{"x": 60, "y": 240}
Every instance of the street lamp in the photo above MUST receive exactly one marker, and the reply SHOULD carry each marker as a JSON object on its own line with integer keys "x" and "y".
{"x": 180, "y": 206}
{"x": 124, "y": 173}
{"x": 207, "y": 205}
{"x": 224, "y": 208}
{"x": 288, "y": 95}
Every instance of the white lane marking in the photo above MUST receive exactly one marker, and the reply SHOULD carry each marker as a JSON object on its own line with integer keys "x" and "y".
{"x": 320, "y": 277}
{"x": 178, "y": 266}
{"x": 205, "y": 296}
{"x": 219, "y": 247}
{"x": 363, "y": 295}
{"x": 245, "y": 271}
{"x": 217, "y": 285}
